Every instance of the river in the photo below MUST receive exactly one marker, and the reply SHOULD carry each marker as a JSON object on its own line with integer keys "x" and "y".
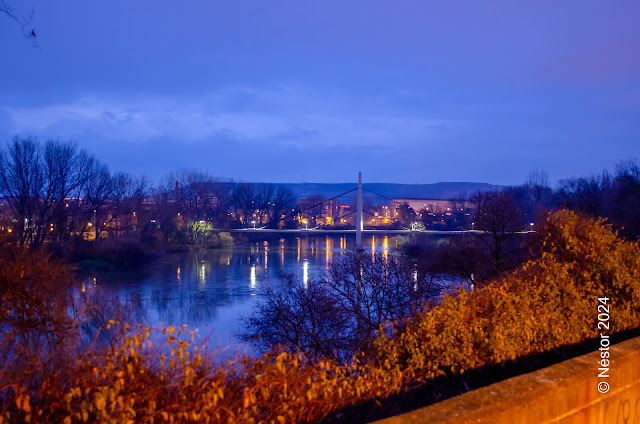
{"x": 212, "y": 289}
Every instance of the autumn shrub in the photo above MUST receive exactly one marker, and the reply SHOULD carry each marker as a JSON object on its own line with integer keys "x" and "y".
{"x": 47, "y": 321}
{"x": 548, "y": 303}
{"x": 38, "y": 318}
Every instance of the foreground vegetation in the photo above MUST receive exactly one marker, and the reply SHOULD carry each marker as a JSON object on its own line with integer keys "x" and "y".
{"x": 164, "y": 376}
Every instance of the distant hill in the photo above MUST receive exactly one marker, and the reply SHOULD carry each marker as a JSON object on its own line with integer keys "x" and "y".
{"x": 446, "y": 190}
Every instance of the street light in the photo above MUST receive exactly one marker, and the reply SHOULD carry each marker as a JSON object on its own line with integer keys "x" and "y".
{"x": 254, "y": 224}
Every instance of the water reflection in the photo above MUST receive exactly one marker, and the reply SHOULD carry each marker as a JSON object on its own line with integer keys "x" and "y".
{"x": 385, "y": 247}
{"x": 281, "y": 251}
{"x": 328, "y": 249}
{"x": 266, "y": 254}
{"x": 252, "y": 278}
{"x": 212, "y": 289}
{"x": 305, "y": 273}
{"x": 373, "y": 248}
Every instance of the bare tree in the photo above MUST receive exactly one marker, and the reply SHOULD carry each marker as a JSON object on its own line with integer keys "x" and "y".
{"x": 282, "y": 204}
{"x": 44, "y": 186}
{"x": 23, "y": 22}
{"x": 616, "y": 197}
{"x": 125, "y": 203}
{"x": 300, "y": 317}
{"x": 625, "y": 207}
{"x": 339, "y": 315}
{"x": 219, "y": 215}
{"x": 244, "y": 202}
{"x": 98, "y": 189}
{"x": 196, "y": 195}
{"x": 584, "y": 194}
{"x": 65, "y": 171}
{"x": 536, "y": 195}
{"x": 21, "y": 180}
{"x": 264, "y": 193}
{"x": 379, "y": 289}
{"x": 538, "y": 177}
{"x": 499, "y": 217}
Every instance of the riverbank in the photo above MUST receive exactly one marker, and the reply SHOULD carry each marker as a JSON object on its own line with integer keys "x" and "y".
{"x": 126, "y": 252}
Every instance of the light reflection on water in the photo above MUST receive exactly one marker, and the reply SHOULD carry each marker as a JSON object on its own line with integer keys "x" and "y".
{"x": 212, "y": 289}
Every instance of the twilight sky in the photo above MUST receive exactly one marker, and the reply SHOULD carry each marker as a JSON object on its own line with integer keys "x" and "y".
{"x": 293, "y": 91}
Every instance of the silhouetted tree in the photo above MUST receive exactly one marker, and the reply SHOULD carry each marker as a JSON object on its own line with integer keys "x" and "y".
{"x": 264, "y": 193}
{"x": 244, "y": 199}
{"x": 221, "y": 190}
{"x": 37, "y": 182}
{"x": 616, "y": 197}
{"x": 196, "y": 193}
{"x": 126, "y": 201}
{"x": 282, "y": 203}
{"x": 535, "y": 195}
{"x": 21, "y": 180}
{"x": 584, "y": 194}
{"x": 625, "y": 206}
{"x": 98, "y": 189}
{"x": 406, "y": 214}
{"x": 498, "y": 217}
{"x": 339, "y": 315}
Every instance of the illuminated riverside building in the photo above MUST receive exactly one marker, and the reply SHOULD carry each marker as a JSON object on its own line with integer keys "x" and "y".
{"x": 431, "y": 206}
{"x": 323, "y": 212}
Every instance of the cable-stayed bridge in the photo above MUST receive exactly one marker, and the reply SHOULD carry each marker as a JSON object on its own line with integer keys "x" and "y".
{"x": 359, "y": 228}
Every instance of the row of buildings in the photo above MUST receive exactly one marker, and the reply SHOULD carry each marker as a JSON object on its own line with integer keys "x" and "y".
{"x": 318, "y": 212}
{"x": 115, "y": 218}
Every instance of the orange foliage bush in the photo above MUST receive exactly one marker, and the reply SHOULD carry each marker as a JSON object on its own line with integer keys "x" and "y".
{"x": 549, "y": 302}
{"x": 35, "y": 296}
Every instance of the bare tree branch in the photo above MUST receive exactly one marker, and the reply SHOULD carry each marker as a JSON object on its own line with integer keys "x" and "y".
{"x": 24, "y": 22}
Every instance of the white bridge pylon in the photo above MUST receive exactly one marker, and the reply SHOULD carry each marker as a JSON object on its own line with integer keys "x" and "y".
{"x": 359, "y": 222}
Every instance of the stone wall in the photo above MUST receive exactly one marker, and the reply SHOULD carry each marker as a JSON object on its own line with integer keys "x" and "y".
{"x": 568, "y": 392}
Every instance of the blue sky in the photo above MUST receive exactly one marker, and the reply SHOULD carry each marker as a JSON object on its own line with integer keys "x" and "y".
{"x": 294, "y": 91}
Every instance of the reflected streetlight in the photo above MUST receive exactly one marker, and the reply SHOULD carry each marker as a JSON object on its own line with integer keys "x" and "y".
{"x": 305, "y": 274}
{"x": 252, "y": 279}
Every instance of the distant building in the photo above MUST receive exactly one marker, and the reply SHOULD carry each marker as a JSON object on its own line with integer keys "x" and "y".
{"x": 346, "y": 215}
{"x": 323, "y": 211}
{"x": 432, "y": 206}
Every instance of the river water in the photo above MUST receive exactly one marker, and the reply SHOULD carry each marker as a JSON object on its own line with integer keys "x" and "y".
{"x": 212, "y": 289}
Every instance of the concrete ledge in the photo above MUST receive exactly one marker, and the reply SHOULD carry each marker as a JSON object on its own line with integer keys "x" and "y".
{"x": 563, "y": 393}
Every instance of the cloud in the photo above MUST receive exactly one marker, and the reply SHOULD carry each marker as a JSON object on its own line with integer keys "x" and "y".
{"x": 283, "y": 114}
